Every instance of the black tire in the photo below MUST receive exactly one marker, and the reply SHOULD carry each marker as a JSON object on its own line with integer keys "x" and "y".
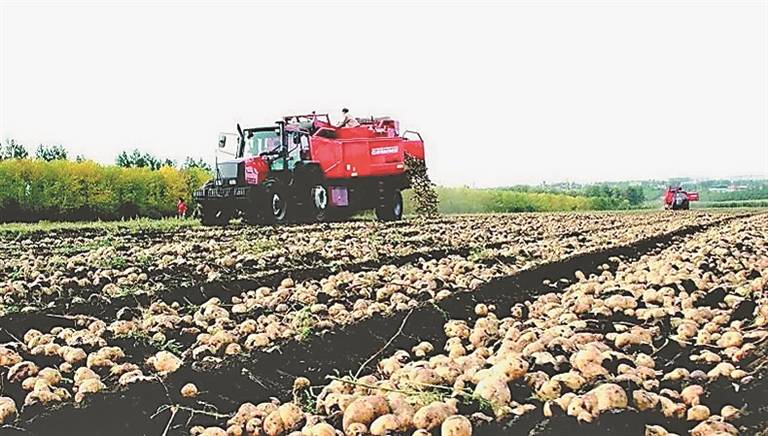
{"x": 278, "y": 206}
{"x": 686, "y": 205}
{"x": 319, "y": 203}
{"x": 255, "y": 214}
{"x": 391, "y": 207}
{"x": 214, "y": 216}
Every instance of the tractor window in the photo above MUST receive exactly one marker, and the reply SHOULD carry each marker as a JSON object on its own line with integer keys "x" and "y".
{"x": 260, "y": 142}
{"x": 295, "y": 142}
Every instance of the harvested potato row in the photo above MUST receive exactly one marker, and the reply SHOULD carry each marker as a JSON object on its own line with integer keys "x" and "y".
{"x": 68, "y": 364}
{"x": 548, "y": 355}
{"x": 87, "y": 360}
{"x": 39, "y": 270}
{"x": 266, "y": 316}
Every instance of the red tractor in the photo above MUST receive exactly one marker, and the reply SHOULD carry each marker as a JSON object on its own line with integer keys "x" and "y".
{"x": 303, "y": 168}
{"x": 677, "y": 199}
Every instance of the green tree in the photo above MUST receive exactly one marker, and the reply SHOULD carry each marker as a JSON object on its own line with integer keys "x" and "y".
{"x": 634, "y": 195}
{"x": 13, "y": 150}
{"x": 49, "y": 153}
{"x": 137, "y": 159}
{"x": 191, "y": 162}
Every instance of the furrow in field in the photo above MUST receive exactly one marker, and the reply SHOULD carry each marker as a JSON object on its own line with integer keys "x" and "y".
{"x": 243, "y": 375}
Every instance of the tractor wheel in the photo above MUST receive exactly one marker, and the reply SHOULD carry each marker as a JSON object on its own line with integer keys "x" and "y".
{"x": 254, "y": 215}
{"x": 391, "y": 208}
{"x": 277, "y": 202}
{"x": 685, "y": 205}
{"x": 319, "y": 203}
{"x": 215, "y": 216}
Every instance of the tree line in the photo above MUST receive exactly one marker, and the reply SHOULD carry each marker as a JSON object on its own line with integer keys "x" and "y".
{"x": 48, "y": 186}
{"x": 12, "y": 149}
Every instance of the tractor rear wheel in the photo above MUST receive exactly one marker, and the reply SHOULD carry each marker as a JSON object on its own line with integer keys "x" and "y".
{"x": 319, "y": 203}
{"x": 215, "y": 216}
{"x": 391, "y": 208}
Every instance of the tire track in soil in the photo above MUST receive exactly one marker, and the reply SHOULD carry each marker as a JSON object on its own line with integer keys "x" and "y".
{"x": 132, "y": 410}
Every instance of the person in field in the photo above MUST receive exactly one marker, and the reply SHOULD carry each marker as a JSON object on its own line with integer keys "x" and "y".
{"x": 181, "y": 208}
{"x": 349, "y": 120}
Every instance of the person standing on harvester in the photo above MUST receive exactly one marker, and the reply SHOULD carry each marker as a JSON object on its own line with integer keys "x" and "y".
{"x": 349, "y": 121}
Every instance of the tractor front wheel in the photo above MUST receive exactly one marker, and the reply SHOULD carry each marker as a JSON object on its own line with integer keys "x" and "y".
{"x": 277, "y": 202}
{"x": 214, "y": 216}
{"x": 391, "y": 208}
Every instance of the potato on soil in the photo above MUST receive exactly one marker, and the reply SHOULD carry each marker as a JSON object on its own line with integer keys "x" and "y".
{"x": 698, "y": 413}
{"x": 386, "y": 424}
{"x": 432, "y": 415}
{"x": 8, "y": 410}
{"x": 360, "y": 411}
{"x": 189, "y": 390}
{"x": 456, "y": 425}
{"x": 321, "y": 429}
{"x": 494, "y": 390}
{"x": 713, "y": 427}
{"x": 164, "y": 362}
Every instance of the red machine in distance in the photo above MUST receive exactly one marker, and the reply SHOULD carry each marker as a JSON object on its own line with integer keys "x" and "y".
{"x": 304, "y": 168}
{"x": 678, "y": 199}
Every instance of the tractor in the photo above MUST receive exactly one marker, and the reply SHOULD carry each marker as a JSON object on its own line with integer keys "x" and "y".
{"x": 678, "y": 199}
{"x": 304, "y": 169}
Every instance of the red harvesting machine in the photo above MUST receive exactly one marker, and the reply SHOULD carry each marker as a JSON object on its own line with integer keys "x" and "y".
{"x": 678, "y": 199}
{"x": 303, "y": 168}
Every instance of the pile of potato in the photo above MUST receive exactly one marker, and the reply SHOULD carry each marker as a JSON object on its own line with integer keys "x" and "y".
{"x": 121, "y": 264}
{"x": 70, "y": 364}
{"x": 266, "y": 316}
{"x": 547, "y": 354}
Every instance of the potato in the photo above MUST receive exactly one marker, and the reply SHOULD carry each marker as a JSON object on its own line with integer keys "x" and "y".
{"x": 131, "y": 377}
{"x": 385, "y": 424}
{"x": 291, "y": 415}
{"x": 729, "y": 413}
{"x": 273, "y": 424}
{"x": 456, "y": 425}
{"x": 359, "y": 411}
{"x": 82, "y": 374}
{"x": 609, "y": 396}
{"x": 321, "y": 429}
{"x": 730, "y": 339}
{"x": 235, "y": 430}
{"x": 422, "y": 349}
{"x": 670, "y": 408}
{"x": 189, "y": 390}
{"x": 21, "y": 371}
{"x": 8, "y": 411}
{"x": 691, "y": 394}
{"x": 432, "y": 415}
{"x": 356, "y": 429}
{"x": 644, "y": 400}
{"x": 213, "y": 431}
{"x": 572, "y": 380}
{"x": 494, "y": 390}
{"x": 655, "y": 430}
{"x": 698, "y": 413}
{"x": 712, "y": 427}
{"x": 164, "y": 362}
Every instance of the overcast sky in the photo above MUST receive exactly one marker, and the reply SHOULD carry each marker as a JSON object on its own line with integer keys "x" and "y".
{"x": 503, "y": 94}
